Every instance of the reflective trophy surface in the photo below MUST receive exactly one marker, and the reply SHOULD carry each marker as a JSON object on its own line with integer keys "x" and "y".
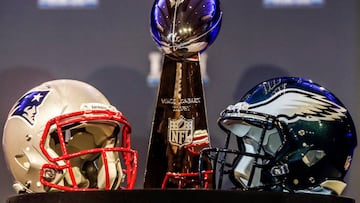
{"x": 182, "y": 29}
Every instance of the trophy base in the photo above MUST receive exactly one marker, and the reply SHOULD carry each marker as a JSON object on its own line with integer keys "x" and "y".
{"x": 175, "y": 196}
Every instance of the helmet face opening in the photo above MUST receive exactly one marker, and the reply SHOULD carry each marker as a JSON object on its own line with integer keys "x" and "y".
{"x": 251, "y": 145}
{"x": 285, "y": 134}
{"x": 259, "y": 138}
{"x": 86, "y": 153}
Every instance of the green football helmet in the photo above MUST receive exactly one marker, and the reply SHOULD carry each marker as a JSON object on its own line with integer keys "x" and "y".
{"x": 285, "y": 134}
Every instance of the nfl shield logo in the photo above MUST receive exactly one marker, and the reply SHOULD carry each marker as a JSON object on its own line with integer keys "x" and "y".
{"x": 180, "y": 131}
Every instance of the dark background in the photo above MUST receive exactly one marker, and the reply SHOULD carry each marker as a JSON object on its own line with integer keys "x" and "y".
{"x": 108, "y": 47}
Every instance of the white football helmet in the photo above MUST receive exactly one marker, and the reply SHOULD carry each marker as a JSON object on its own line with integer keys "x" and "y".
{"x": 64, "y": 135}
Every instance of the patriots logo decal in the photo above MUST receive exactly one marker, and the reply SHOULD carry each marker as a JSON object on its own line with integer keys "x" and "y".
{"x": 27, "y": 106}
{"x": 294, "y": 104}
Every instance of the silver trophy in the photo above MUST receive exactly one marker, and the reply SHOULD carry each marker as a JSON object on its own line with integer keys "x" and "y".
{"x": 182, "y": 29}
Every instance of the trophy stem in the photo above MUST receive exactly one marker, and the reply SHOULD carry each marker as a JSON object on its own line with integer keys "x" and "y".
{"x": 179, "y": 128}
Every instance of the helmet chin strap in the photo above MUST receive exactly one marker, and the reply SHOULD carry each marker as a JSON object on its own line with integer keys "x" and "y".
{"x": 114, "y": 169}
{"x": 243, "y": 169}
{"x": 81, "y": 181}
{"x": 111, "y": 172}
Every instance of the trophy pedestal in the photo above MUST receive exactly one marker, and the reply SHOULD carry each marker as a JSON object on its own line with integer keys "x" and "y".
{"x": 175, "y": 196}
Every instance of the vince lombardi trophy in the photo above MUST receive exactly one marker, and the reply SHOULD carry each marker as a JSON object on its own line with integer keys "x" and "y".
{"x": 182, "y": 29}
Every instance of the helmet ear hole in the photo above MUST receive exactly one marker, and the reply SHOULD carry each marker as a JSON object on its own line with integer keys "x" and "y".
{"x": 313, "y": 156}
{"x": 23, "y": 161}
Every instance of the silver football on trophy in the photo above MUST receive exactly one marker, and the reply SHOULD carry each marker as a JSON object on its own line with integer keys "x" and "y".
{"x": 183, "y": 28}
